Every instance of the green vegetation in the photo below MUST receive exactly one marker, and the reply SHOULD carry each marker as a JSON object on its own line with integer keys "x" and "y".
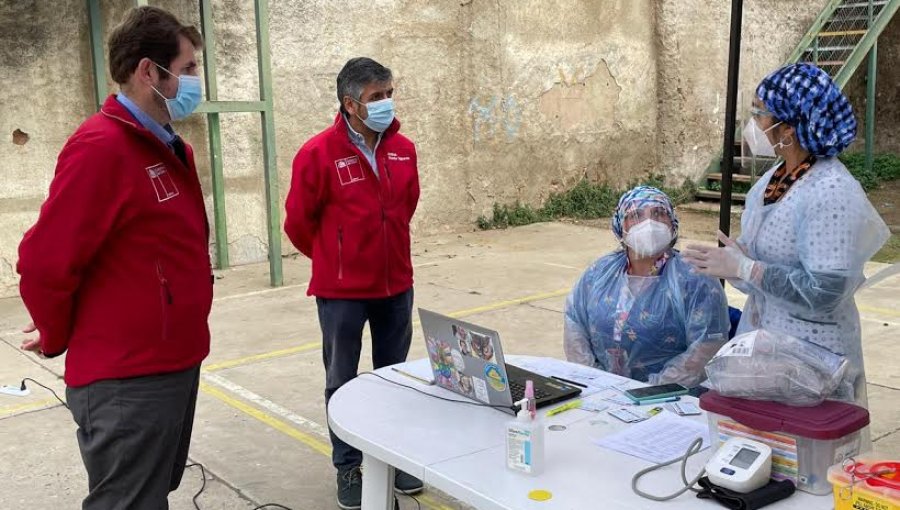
{"x": 885, "y": 167}
{"x": 585, "y": 201}
{"x": 890, "y": 252}
{"x": 589, "y": 200}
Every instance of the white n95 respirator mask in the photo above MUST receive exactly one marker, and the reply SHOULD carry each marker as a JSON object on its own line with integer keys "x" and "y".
{"x": 648, "y": 238}
{"x": 757, "y": 140}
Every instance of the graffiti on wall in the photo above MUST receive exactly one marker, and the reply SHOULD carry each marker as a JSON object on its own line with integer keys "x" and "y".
{"x": 495, "y": 117}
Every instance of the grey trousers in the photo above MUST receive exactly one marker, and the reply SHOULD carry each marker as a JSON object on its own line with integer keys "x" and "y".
{"x": 134, "y": 436}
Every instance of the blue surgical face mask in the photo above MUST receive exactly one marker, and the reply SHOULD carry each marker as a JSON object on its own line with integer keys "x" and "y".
{"x": 186, "y": 99}
{"x": 381, "y": 114}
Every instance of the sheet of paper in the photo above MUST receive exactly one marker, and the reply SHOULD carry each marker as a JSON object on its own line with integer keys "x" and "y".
{"x": 662, "y": 438}
{"x": 594, "y": 404}
{"x": 418, "y": 368}
{"x": 594, "y": 380}
{"x": 615, "y": 396}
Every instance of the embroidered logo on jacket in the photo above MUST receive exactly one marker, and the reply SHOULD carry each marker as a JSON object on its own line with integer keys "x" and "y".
{"x": 349, "y": 170}
{"x": 162, "y": 182}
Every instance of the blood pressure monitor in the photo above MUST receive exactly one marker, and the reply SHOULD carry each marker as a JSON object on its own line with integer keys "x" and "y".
{"x": 741, "y": 464}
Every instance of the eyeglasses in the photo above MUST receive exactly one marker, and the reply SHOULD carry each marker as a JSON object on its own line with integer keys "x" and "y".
{"x": 759, "y": 112}
{"x": 643, "y": 213}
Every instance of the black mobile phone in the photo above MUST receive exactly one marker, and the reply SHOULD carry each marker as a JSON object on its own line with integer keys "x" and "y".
{"x": 656, "y": 392}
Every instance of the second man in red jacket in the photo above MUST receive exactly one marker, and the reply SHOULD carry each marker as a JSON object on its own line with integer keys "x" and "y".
{"x": 353, "y": 192}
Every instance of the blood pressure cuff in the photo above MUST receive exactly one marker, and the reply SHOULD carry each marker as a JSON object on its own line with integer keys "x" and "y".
{"x": 768, "y": 494}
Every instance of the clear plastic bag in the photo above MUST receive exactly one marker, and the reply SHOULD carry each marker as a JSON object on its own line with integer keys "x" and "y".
{"x": 763, "y": 365}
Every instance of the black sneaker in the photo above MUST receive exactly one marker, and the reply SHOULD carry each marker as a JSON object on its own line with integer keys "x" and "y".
{"x": 405, "y": 483}
{"x": 349, "y": 488}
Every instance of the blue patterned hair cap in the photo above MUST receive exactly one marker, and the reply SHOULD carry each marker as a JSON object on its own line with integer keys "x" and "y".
{"x": 640, "y": 198}
{"x": 805, "y": 97}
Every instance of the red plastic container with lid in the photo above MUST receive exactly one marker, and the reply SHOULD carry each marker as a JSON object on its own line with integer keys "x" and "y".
{"x": 805, "y": 441}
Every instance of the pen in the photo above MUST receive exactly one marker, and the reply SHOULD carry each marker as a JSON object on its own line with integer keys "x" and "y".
{"x": 568, "y": 381}
{"x": 565, "y": 407}
{"x": 657, "y": 401}
{"x": 413, "y": 377}
{"x": 654, "y": 411}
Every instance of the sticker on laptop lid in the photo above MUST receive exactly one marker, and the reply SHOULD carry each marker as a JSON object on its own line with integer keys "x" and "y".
{"x": 482, "y": 347}
{"x": 481, "y": 392}
{"x": 495, "y": 377}
{"x": 458, "y": 360}
{"x": 466, "y": 386}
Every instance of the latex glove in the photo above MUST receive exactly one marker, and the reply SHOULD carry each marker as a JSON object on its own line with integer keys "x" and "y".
{"x": 727, "y": 241}
{"x": 725, "y": 262}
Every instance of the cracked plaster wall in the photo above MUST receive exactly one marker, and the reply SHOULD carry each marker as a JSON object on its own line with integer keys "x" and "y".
{"x": 692, "y": 38}
{"x": 692, "y": 60}
{"x": 506, "y": 99}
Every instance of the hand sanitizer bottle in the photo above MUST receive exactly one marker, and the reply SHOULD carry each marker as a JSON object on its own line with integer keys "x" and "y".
{"x": 525, "y": 437}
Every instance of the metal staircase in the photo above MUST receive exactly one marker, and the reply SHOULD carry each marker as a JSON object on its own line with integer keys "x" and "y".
{"x": 838, "y": 41}
{"x": 841, "y": 37}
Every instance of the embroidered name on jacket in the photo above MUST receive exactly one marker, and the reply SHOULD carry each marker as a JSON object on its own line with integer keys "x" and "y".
{"x": 349, "y": 170}
{"x": 162, "y": 182}
{"x": 394, "y": 157}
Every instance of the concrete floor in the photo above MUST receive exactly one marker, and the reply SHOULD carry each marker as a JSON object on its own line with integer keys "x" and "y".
{"x": 260, "y": 427}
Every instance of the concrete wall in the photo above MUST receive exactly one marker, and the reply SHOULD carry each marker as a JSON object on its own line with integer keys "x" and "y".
{"x": 692, "y": 68}
{"x": 46, "y": 91}
{"x": 692, "y": 38}
{"x": 507, "y": 100}
{"x": 45, "y": 84}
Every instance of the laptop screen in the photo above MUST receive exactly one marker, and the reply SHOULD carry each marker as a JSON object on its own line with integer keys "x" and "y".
{"x": 466, "y": 359}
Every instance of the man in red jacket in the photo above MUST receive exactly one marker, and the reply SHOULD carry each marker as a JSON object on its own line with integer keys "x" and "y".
{"x": 116, "y": 270}
{"x": 354, "y": 190}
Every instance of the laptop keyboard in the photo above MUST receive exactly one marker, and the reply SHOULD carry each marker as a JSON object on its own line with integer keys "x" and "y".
{"x": 518, "y": 392}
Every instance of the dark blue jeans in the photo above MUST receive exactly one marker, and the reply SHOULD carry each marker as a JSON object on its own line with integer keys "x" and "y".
{"x": 342, "y": 322}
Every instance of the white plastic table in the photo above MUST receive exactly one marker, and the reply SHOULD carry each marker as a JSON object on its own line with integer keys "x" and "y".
{"x": 460, "y": 450}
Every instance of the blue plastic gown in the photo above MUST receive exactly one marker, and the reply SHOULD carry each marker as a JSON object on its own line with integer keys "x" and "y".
{"x": 669, "y": 327}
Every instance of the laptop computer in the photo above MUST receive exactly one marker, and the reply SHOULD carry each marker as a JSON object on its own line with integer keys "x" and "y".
{"x": 468, "y": 359}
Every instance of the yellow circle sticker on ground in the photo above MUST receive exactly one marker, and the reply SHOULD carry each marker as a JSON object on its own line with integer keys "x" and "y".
{"x": 540, "y": 495}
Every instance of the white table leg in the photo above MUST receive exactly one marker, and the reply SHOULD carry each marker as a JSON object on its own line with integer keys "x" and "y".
{"x": 378, "y": 484}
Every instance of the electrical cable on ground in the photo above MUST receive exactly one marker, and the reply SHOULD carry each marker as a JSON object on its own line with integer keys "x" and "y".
{"x": 23, "y": 388}
{"x": 203, "y": 487}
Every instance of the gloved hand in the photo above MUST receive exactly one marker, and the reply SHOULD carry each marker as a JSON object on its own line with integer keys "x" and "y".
{"x": 726, "y": 262}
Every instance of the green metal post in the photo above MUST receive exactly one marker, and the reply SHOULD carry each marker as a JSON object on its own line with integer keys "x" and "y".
{"x": 273, "y": 199}
{"x": 95, "y": 20}
{"x": 215, "y": 135}
{"x": 231, "y": 107}
{"x": 870, "y": 99}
